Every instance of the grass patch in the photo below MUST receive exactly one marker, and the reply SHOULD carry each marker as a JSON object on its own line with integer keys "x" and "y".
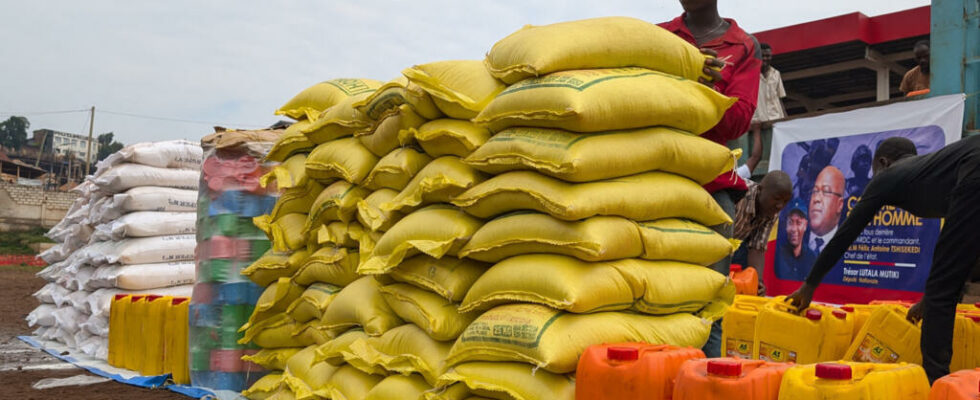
{"x": 20, "y": 242}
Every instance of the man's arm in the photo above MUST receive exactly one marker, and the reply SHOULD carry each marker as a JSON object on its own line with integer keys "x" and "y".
{"x": 906, "y": 85}
{"x": 756, "y": 155}
{"x": 744, "y": 86}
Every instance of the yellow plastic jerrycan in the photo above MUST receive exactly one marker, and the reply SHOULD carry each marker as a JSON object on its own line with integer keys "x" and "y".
{"x": 887, "y": 337}
{"x": 738, "y": 326}
{"x": 118, "y": 309}
{"x": 133, "y": 334}
{"x": 966, "y": 342}
{"x": 860, "y": 314}
{"x": 781, "y": 335}
{"x": 855, "y": 381}
{"x": 175, "y": 341}
{"x": 153, "y": 347}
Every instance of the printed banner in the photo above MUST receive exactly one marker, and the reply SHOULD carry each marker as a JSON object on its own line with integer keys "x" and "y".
{"x": 829, "y": 159}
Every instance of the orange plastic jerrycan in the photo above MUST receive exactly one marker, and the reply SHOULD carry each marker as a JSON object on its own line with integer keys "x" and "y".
{"x": 855, "y": 381}
{"x": 630, "y": 371}
{"x": 960, "y": 385}
{"x": 887, "y": 337}
{"x": 746, "y": 280}
{"x": 821, "y": 334}
{"x": 738, "y": 326}
{"x": 729, "y": 379}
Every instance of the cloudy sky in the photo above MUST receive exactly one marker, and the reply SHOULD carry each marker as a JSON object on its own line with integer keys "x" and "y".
{"x": 234, "y": 62}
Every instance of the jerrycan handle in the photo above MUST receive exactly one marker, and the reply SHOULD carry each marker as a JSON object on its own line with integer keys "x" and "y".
{"x": 782, "y": 305}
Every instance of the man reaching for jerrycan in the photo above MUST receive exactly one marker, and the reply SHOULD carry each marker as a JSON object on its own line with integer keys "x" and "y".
{"x": 944, "y": 184}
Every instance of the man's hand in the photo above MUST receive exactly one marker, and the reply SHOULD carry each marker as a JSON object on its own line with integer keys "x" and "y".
{"x": 712, "y": 68}
{"x": 915, "y": 313}
{"x": 801, "y": 297}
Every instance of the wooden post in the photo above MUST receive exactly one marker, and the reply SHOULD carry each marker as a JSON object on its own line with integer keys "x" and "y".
{"x": 88, "y": 153}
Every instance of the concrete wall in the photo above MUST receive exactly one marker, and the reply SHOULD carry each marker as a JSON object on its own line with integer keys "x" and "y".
{"x": 24, "y": 207}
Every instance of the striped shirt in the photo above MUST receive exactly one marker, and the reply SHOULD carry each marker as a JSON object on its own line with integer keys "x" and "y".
{"x": 750, "y": 227}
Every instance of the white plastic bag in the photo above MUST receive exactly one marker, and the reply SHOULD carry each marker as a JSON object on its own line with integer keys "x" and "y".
{"x": 43, "y": 315}
{"x": 147, "y": 250}
{"x": 143, "y": 276}
{"x": 149, "y": 198}
{"x": 146, "y": 224}
{"x": 181, "y": 154}
{"x": 97, "y": 325}
{"x": 46, "y": 294}
{"x": 127, "y": 176}
{"x": 68, "y": 319}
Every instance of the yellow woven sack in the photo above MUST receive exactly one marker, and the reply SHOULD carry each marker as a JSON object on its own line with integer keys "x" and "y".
{"x": 366, "y": 243}
{"x": 554, "y": 340}
{"x": 272, "y": 266}
{"x": 406, "y": 349}
{"x": 345, "y": 159}
{"x": 642, "y": 197}
{"x": 577, "y": 286}
{"x": 339, "y": 234}
{"x": 337, "y": 202}
{"x": 456, "y": 391}
{"x": 411, "y": 387}
{"x": 314, "y": 99}
{"x": 291, "y": 173}
{"x": 604, "y": 100}
{"x": 608, "y": 42}
{"x": 370, "y": 214}
{"x": 291, "y": 142}
{"x": 460, "y": 88}
{"x": 263, "y": 388}
{"x": 333, "y": 351}
{"x": 682, "y": 240}
{"x": 313, "y": 332}
{"x": 274, "y": 300}
{"x": 286, "y": 232}
{"x": 586, "y": 157}
{"x": 438, "y": 317}
{"x": 339, "y": 121}
{"x": 440, "y": 181}
{"x": 273, "y": 333}
{"x": 394, "y": 170}
{"x": 444, "y": 137}
{"x": 448, "y": 277}
{"x": 510, "y": 381}
{"x": 593, "y": 239}
{"x": 394, "y": 94}
{"x": 304, "y": 376}
{"x": 385, "y": 136}
{"x": 361, "y": 304}
{"x": 437, "y": 230}
{"x": 272, "y": 359}
{"x": 349, "y": 384}
{"x": 313, "y": 302}
{"x": 328, "y": 265}
{"x": 296, "y": 199}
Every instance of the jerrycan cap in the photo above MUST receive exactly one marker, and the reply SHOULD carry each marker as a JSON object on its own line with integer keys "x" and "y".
{"x": 622, "y": 353}
{"x": 847, "y": 308}
{"x": 120, "y": 296}
{"x": 977, "y": 304}
{"x": 726, "y": 368}
{"x": 735, "y": 268}
{"x": 840, "y": 314}
{"x": 152, "y": 297}
{"x": 813, "y": 315}
{"x": 973, "y": 317}
{"x": 833, "y": 371}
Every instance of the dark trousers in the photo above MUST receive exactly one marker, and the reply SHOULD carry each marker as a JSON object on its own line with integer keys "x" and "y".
{"x": 727, "y": 200}
{"x": 956, "y": 254}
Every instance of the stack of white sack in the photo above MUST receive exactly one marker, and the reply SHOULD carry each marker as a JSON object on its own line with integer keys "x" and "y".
{"x": 131, "y": 230}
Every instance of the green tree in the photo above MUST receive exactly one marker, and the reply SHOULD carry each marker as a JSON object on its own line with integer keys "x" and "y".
{"x": 13, "y": 132}
{"x": 107, "y": 145}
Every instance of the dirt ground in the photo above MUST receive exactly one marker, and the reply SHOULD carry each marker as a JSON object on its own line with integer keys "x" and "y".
{"x": 22, "y": 365}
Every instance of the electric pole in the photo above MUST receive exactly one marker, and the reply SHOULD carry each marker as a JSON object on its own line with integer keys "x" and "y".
{"x": 88, "y": 153}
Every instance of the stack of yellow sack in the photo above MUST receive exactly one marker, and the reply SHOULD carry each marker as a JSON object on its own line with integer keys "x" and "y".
{"x": 456, "y": 237}
{"x": 597, "y": 223}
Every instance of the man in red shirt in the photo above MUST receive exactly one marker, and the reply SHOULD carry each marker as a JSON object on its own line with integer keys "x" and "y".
{"x": 740, "y": 58}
